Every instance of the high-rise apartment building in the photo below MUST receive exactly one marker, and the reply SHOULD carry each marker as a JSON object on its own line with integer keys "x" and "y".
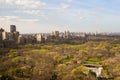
{"x": 0, "y": 36}
{"x": 16, "y": 34}
{"x": 4, "y": 35}
{"x": 20, "y": 39}
{"x": 39, "y": 37}
{"x": 1, "y": 30}
{"x": 12, "y": 28}
{"x": 55, "y": 33}
{"x": 10, "y": 36}
{"x": 67, "y": 34}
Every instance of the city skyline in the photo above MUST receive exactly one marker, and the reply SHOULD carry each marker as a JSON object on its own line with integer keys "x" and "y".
{"x": 35, "y": 16}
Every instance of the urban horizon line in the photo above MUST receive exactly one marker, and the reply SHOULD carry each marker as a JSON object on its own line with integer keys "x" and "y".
{"x": 61, "y": 31}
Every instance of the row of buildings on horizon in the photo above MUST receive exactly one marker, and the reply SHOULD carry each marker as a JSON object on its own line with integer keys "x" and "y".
{"x": 14, "y": 37}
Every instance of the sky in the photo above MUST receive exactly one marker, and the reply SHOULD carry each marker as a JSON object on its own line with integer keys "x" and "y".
{"x": 42, "y": 16}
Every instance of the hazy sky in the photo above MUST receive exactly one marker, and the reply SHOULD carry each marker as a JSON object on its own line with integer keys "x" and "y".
{"x": 36, "y": 16}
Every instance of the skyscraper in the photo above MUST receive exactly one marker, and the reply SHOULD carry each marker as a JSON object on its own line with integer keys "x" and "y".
{"x": 12, "y": 28}
{"x": 4, "y": 35}
{"x": 16, "y": 34}
{"x": 20, "y": 39}
{"x": 1, "y": 30}
{"x": 40, "y": 38}
{"x": 56, "y": 33}
{"x": 67, "y": 34}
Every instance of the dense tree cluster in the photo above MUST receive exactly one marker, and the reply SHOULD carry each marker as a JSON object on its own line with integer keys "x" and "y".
{"x": 60, "y": 61}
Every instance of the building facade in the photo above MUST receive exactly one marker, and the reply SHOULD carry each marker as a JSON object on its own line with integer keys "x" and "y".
{"x": 5, "y": 36}
{"x": 12, "y": 28}
{"x": 1, "y": 30}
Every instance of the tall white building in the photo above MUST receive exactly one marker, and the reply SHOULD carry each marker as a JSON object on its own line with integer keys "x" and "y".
{"x": 39, "y": 37}
{"x": 20, "y": 39}
{"x": 4, "y": 35}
